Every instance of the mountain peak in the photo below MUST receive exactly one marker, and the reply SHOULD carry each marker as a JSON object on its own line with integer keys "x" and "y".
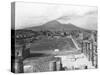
{"x": 56, "y": 26}
{"x": 52, "y": 23}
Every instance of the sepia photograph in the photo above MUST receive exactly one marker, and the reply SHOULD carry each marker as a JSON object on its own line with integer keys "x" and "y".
{"x": 49, "y": 37}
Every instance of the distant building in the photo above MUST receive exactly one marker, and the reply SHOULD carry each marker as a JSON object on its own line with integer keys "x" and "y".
{"x": 20, "y": 53}
{"x": 42, "y": 64}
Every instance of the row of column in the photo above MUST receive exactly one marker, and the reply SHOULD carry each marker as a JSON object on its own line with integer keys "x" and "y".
{"x": 90, "y": 50}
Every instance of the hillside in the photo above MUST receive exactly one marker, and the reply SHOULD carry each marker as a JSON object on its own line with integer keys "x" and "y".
{"x": 55, "y": 26}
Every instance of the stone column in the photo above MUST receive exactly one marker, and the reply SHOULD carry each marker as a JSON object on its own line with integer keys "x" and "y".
{"x": 82, "y": 46}
{"x": 89, "y": 50}
{"x": 92, "y": 54}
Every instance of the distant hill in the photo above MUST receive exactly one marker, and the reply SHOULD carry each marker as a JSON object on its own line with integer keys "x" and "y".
{"x": 55, "y": 26}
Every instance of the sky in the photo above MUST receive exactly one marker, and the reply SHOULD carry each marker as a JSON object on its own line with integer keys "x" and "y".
{"x": 35, "y": 14}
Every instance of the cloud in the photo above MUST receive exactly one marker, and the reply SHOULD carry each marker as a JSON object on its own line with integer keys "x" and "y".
{"x": 34, "y": 14}
{"x": 87, "y": 21}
